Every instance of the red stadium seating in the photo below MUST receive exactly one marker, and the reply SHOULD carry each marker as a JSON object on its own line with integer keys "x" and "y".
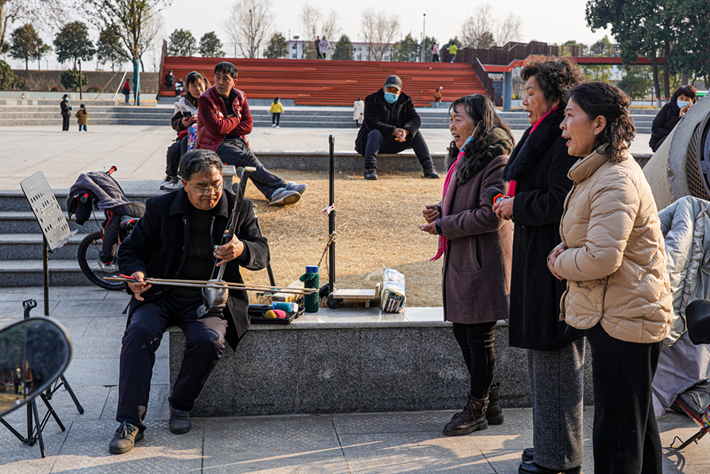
{"x": 335, "y": 83}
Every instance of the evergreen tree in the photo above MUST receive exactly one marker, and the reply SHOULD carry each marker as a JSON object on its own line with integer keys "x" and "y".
{"x": 108, "y": 48}
{"x": 72, "y": 42}
{"x": 181, "y": 43}
{"x": 26, "y": 44}
{"x": 211, "y": 46}
{"x": 277, "y": 47}
{"x": 407, "y": 49}
{"x": 343, "y": 49}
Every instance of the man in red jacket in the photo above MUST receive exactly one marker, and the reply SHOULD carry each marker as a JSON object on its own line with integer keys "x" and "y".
{"x": 223, "y": 125}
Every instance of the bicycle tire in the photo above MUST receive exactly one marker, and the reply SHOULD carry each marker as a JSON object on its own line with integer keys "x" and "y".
{"x": 86, "y": 255}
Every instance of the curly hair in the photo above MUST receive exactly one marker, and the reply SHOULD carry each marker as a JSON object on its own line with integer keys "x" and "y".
{"x": 602, "y": 99}
{"x": 555, "y": 76}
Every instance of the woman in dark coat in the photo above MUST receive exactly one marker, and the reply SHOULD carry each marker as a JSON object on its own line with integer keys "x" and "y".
{"x": 537, "y": 171}
{"x": 66, "y": 112}
{"x": 669, "y": 116}
{"x": 477, "y": 250}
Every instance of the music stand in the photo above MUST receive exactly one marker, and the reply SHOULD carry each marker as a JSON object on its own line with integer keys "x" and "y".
{"x": 55, "y": 234}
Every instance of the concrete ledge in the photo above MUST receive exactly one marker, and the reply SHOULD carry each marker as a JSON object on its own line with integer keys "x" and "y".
{"x": 352, "y": 360}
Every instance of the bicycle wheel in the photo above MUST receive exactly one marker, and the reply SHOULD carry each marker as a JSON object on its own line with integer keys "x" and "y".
{"x": 94, "y": 269}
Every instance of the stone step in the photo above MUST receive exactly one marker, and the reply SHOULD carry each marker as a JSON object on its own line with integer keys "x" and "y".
{"x": 29, "y": 247}
{"x": 62, "y": 272}
{"x": 14, "y": 200}
{"x": 24, "y": 222}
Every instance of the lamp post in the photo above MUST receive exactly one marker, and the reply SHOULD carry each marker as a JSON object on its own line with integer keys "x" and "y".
{"x": 423, "y": 37}
{"x": 80, "y": 81}
{"x": 251, "y": 35}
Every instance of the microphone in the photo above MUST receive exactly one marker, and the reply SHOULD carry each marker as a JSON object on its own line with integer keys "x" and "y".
{"x": 493, "y": 195}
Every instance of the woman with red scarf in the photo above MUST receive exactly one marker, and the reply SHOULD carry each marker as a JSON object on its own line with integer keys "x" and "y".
{"x": 477, "y": 250}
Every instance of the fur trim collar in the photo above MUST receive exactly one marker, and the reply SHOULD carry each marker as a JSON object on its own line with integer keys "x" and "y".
{"x": 480, "y": 153}
{"x": 533, "y": 146}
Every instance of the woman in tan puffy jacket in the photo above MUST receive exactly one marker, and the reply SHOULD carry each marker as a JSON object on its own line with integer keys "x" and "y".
{"x": 613, "y": 257}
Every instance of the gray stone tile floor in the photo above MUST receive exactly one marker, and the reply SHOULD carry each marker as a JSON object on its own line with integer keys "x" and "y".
{"x": 403, "y": 442}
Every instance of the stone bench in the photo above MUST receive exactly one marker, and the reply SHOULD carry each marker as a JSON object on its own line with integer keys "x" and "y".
{"x": 353, "y": 360}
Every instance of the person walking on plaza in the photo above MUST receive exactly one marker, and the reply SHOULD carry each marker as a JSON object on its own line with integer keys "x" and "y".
{"x": 391, "y": 126}
{"x": 437, "y": 98}
{"x": 323, "y": 48}
{"x": 82, "y": 117}
{"x": 453, "y": 49}
{"x": 66, "y": 112}
{"x": 358, "y": 112}
{"x": 435, "y": 53}
{"x": 537, "y": 172}
{"x": 316, "y": 44}
{"x": 671, "y": 113}
{"x": 175, "y": 238}
{"x": 169, "y": 80}
{"x": 475, "y": 283}
{"x": 276, "y": 110}
{"x": 126, "y": 91}
{"x": 224, "y": 122}
{"x": 618, "y": 288}
{"x": 184, "y": 116}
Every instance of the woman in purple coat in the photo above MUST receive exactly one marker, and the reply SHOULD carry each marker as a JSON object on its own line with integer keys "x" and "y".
{"x": 477, "y": 248}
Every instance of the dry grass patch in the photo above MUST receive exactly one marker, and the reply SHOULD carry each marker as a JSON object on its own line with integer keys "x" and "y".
{"x": 377, "y": 225}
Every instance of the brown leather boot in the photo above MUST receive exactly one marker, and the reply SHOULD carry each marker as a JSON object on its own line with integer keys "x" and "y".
{"x": 471, "y": 418}
{"x": 494, "y": 414}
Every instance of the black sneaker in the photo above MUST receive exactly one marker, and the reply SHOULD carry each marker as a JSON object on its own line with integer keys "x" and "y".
{"x": 125, "y": 438}
{"x": 371, "y": 174}
{"x": 179, "y": 421}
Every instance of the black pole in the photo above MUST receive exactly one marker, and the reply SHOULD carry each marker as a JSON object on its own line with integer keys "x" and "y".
{"x": 45, "y": 274}
{"x": 331, "y": 216}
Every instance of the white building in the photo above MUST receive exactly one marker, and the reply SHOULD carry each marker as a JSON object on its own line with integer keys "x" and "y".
{"x": 361, "y": 51}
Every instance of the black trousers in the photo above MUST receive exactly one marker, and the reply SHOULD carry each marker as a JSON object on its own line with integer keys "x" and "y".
{"x": 172, "y": 157}
{"x": 276, "y": 118}
{"x": 626, "y": 439}
{"x": 234, "y": 151}
{"x": 65, "y": 122}
{"x": 377, "y": 143}
{"x": 203, "y": 348}
{"x": 476, "y": 343}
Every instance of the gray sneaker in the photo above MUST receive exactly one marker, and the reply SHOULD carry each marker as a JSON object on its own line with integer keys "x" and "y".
{"x": 126, "y": 436}
{"x": 283, "y": 196}
{"x": 175, "y": 183}
{"x": 179, "y": 421}
{"x": 299, "y": 188}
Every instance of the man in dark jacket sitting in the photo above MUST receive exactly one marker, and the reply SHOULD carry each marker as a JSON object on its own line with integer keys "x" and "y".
{"x": 391, "y": 125}
{"x": 176, "y": 239}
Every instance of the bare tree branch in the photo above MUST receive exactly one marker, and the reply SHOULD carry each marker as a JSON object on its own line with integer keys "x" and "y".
{"x": 250, "y": 25}
{"x": 379, "y": 29}
{"x": 509, "y": 29}
{"x": 310, "y": 20}
{"x": 44, "y": 14}
{"x": 477, "y": 30}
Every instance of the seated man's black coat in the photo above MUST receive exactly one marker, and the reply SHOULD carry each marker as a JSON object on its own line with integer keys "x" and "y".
{"x": 380, "y": 115}
{"x": 156, "y": 247}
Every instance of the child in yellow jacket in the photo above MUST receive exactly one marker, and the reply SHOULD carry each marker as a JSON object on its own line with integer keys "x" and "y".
{"x": 276, "y": 110}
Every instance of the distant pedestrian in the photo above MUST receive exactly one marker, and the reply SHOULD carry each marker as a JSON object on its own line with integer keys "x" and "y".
{"x": 437, "y": 98}
{"x": 179, "y": 87}
{"x": 670, "y": 115}
{"x": 359, "y": 112}
{"x": 169, "y": 80}
{"x": 82, "y": 117}
{"x": 453, "y": 49}
{"x": 66, "y": 112}
{"x": 126, "y": 91}
{"x": 276, "y": 110}
{"x": 316, "y": 43}
{"x": 435, "y": 53}
{"x": 323, "y": 47}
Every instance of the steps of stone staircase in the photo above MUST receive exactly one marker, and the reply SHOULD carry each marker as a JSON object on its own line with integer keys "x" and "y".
{"x": 29, "y": 247}
{"x": 16, "y": 273}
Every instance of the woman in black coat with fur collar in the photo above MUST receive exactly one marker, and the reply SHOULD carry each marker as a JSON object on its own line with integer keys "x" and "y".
{"x": 537, "y": 172}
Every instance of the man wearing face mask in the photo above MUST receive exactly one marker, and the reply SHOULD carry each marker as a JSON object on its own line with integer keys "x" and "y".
{"x": 391, "y": 125}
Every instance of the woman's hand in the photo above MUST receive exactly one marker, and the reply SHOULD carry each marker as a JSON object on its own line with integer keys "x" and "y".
{"x": 431, "y": 213}
{"x": 685, "y": 109}
{"x": 429, "y": 228}
{"x": 552, "y": 258}
{"x": 504, "y": 208}
{"x": 187, "y": 121}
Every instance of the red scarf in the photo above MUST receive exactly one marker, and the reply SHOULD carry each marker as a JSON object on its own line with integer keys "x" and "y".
{"x": 443, "y": 241}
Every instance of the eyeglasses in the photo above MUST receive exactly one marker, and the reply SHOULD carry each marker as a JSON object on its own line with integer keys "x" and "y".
{"x": 203, "y": 191}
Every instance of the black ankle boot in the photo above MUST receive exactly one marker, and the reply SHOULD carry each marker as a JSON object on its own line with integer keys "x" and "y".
{"x": 472, "y": 418}
{"x": 494, "y": 414}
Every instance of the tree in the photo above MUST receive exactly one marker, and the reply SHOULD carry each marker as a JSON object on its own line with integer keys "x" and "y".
{"x": 636, "y": 82}
{"x": 477, "y": 30}
{"x": 344, "y": 48}
{"x": 211, "y": 46}
{"x": 8, "y": 79}
{"x": 135, "y": 23}
{"x": 72, "y": 42}
{"x": 107, "y": 48}
{"x": 509, "y": 28}
{"x": 44, "y": 13}
{"x": 249, "y": 25}
{"x": 406, "y": 49}
{"x": 26, "y": 44}
{"x": 691, "y": 54}
{"x": 314, "y": 23}
{"x": 70, "y": 79}
{"x": 181, "y": 43}
{"x": 378, "y": 29}
{"x": 277, "y": 47}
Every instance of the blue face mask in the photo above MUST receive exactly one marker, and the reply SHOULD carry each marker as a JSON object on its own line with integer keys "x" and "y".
{"x": 391, "y": 98}
{"x": 469, "y": 139}
{"x": 66, "y": 99}
{"x": 682, "y": 104}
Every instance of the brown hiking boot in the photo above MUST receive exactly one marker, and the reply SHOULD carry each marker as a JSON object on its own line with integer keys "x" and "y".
{"x": 125, "y": 438}
{"x": 494, "y": 414}
{"x": 471, "y": 418}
